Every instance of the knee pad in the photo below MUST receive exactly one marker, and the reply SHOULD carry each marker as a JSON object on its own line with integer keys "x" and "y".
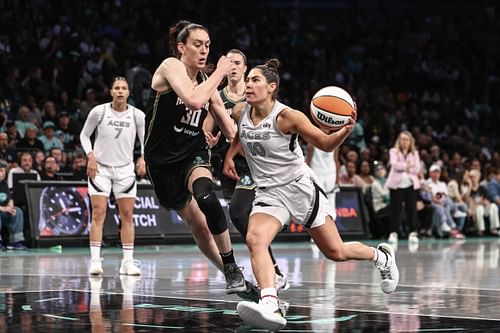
{"x": 203, "y": 191}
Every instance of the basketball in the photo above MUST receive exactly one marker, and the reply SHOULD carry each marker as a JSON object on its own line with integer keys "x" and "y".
{"x": 331, "y": 107}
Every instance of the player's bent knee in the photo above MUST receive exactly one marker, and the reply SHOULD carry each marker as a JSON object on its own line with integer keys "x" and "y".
{"x": 209, "y": 204}
{"x": 255, "y": 243}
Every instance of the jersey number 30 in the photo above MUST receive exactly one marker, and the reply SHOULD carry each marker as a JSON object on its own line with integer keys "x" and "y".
{"x": 191, "y": 117}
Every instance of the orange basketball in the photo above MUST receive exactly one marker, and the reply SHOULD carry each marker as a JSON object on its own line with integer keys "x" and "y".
{"x": 331, "y": 107}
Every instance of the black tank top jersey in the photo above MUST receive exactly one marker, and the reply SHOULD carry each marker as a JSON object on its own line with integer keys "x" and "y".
{"x": 173, "y": 132}
{"x": 222, "y": 146}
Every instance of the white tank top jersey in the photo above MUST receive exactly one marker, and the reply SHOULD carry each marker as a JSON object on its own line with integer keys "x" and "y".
{"x": 115, "y": 134}
{"x": 323, "y": 163}
{"x": 274, "y": 158}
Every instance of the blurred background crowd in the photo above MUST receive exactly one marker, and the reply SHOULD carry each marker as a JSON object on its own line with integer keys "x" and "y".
{"x": 428, "y": 68}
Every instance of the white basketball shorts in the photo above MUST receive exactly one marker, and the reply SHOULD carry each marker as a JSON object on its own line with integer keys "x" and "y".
{"x": 119, "y": 179}
{"x": 301, "y": 200}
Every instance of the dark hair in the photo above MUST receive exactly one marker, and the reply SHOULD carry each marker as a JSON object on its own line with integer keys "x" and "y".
{"x": 55, "y": 148}
{"x": 118, "y": 78}
{"x": 236, "y": 51}
{"x": 78, "y": 154}
{"x": 271, "y": 73}
{"x": 180, "y": 32}
{"x": 4, "y": 164}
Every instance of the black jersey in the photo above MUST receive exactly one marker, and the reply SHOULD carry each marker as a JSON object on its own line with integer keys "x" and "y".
{"x": 222, "y": 146}
{"x": 228, "y": 102}
{"x": 173, "y": 132}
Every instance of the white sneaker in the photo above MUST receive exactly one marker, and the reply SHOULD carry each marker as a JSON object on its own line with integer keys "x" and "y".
{"x": 281, "y": 282}
{"x": 128, "y": 283}
{"x": 389, "y": 271}
{"x": 445, "y": 227}
{"x": 413, "y": 238}
{"x": 261, "y": 316}
{"x": 95, "y": 284}
{"x": 95, "y": 267}
{"x": 128, "y": 267}
{"x": 459, "y": 213}
{"x": 393, "y": 237}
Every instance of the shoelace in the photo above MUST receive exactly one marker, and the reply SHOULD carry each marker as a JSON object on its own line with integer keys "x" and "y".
{"x": 281, "y": 282}
{"x": 385, "y": 270}
{"x": 386, "y": 274}
{"x": 234, "y": 271}
{"x": 283, "y": 307}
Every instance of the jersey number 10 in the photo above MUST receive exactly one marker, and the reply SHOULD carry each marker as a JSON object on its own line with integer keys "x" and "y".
{"x": 256, "y": 148}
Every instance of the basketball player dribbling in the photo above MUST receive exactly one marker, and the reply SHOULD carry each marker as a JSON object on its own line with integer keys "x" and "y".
{"x": 242, "y": 192}
{"x": 111, "y": 168}
{"x": 267, "y": 134}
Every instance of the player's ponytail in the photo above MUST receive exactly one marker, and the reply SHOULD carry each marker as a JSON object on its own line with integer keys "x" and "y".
{"x": 271, "y": 73}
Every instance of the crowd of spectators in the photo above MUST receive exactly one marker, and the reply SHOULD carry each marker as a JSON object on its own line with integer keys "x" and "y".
{"x": 433, "y": 73}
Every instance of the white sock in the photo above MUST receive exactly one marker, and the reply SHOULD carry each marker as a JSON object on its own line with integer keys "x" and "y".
{"x": 95, "y": 251}
{"x": 379, "y": 257}
{"x": 128, "y": 251}
{"x": 269, "y": 297}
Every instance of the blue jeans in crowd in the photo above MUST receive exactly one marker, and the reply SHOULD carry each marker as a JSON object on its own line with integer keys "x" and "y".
{"x": 15, "y": 224}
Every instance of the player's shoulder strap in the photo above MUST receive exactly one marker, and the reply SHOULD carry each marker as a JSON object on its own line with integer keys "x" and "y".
{"x": 135, "y": 110}
{"x": 102, "y": 114}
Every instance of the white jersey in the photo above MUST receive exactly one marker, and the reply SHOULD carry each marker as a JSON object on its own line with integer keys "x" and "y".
{"x": 274, "y": 158}
{"x": 115, "y": 134}
{"x": 323, "y": 165}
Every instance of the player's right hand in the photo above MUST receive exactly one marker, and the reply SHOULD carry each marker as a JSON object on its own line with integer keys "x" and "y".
{"x": 224, "y": 65}
{"x": 91, "y": 166}
{"x": 229, "y": 169}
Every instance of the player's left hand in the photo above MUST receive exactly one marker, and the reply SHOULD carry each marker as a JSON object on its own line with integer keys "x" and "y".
{"x": 140, "y": 167}
{"x": 211, "y": 139}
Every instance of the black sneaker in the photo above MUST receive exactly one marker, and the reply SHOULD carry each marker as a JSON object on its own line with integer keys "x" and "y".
{"x": 16, "y": 246}
{"x": 2, "y": 247}
{"x": 251, "y": 294}
{"x": 235, "y": 281}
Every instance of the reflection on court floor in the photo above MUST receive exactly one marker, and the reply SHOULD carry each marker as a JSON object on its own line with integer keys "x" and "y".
{"x": 444, "y": 286}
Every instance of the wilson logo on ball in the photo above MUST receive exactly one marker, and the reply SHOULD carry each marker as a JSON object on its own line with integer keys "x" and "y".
{"x": 331, "y": 107}
{"x": 329, "y": 120}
